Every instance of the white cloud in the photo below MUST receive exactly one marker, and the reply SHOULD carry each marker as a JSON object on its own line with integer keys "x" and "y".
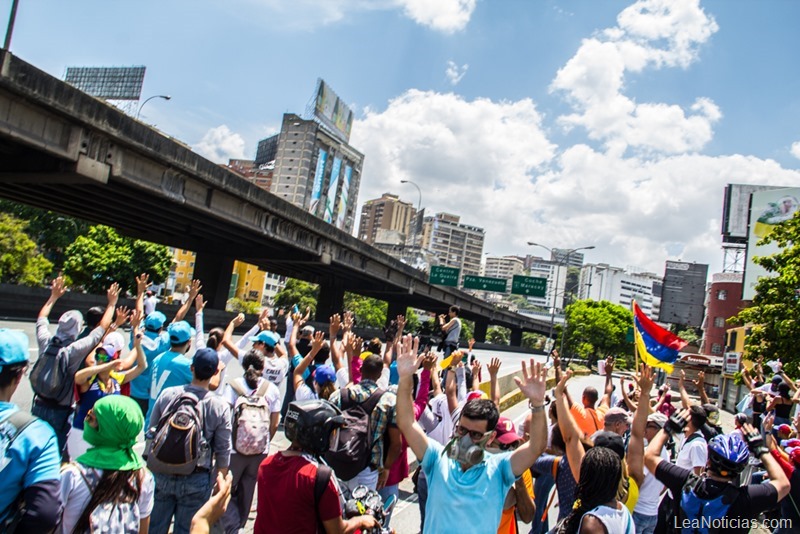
{"x": 447, "y": 16}
{"x": 221, "y": 144}
{"x": 455, "y": 73}
{"x": 796, "y": 149}
{"x": 650, "y": 33}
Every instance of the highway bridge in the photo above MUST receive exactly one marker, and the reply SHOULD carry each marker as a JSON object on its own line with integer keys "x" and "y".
{"x": 66, "y": 151}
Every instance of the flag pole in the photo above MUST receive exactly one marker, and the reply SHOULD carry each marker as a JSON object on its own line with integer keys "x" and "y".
{"x": 635, "y": 345}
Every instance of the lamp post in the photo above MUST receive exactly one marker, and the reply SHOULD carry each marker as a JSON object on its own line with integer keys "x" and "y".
{"x": 165, "y": 97}
{"x": 564, "y": 260}
{"x": 12, "y": 17}
{"x": 419, "y": 207}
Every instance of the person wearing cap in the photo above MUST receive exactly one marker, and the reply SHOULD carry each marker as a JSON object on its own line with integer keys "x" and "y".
{"x": 32, "y": 455}
{"x": 274, "y": 366}
{"x": 323, "y": 376}
{"x": 172, "y": 368}
{"x": 618, "y": 421}
{"x": 56, "y": 411}
{"x": 519, "y": 499}
{"x": 181, "y": 496}
{"x": 112, "y": 426}
{"x": 103, "y": 375}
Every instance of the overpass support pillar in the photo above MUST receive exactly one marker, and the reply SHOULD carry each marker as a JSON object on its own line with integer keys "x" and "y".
{"x": 479, "y": 333}
{"x": 331, "y": 299}
{"x": 395, "y": 308}
{"x": 516, "y": 337}
{"x": 215, "y": 272}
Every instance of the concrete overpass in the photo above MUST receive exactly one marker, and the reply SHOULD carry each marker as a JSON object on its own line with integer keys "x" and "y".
{"x": 71, "y": 153}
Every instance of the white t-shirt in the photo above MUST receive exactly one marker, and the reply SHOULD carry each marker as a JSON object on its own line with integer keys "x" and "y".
{"x": 650, "y": 492}
{"x": 694, "y": 453}
{"x": 275, "y": 369}
{"x": 75, "y": 495}
{"x": 272, "y": 396}
{"x": 439, "y": 421}
{"x": 150, "y": 304}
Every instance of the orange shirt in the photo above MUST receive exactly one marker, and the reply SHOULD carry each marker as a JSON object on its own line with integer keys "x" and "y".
{"x": 508, "y": 521}
{"x": 589, "y": 420}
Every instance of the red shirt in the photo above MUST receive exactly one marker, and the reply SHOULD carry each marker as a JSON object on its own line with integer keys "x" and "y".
{"x": 286, "y": 496}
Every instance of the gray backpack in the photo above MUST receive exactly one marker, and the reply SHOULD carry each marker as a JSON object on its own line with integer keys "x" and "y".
{"x": 178, "y": 446}
{"x": 50, "y": 375}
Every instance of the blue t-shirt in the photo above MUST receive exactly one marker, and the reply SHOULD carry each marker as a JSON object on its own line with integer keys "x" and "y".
{"x": 33, "y": 458}
{"x": 155, "y": 344}
{"x": 456, "y": 494}
{"x": 169, "y": 369}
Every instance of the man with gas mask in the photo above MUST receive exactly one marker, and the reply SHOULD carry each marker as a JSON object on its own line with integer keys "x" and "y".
{"x": 462, "y": 478}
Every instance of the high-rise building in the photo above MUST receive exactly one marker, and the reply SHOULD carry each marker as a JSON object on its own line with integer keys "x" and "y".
{"x": 266, "y": 150}
{"x": 614, "y": 284}
{"x": 317, "y": 171}
{"x": 385, "y": 213}
{"x": 453, "y": 244}
{"x": 560, "y": 255}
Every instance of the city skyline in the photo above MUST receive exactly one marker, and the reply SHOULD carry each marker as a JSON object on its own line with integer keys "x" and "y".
{"x": 613, "y": 124}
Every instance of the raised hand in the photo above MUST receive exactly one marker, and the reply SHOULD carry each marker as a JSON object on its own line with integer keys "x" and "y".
{"x": 195, "y": 288}
{"x": 58, "y": 288}
{"x": 476, "y": 367}
{"x": 347, "y": 322}
{"x": 471, "y": 343}
{"x": 122, "y": 316}
{"x": 335, "y": 325}
{"x": 401, "y": 324}
{"x": 199, "y": 303}
{"x": 238, "y": 320}
{"x": 561, "y": 387}
{"x": 142, "y": 281}
{"x": 534, "y": 383}
{"x": 645, "y": 381}
{"x": 609, "y": 365}
{"x": 494, "y": 366}
{"x": 429, "y": 361}
{"x": 319, "y": 340}
{"x": 136, "y": 320}
{"x": 407, "y": 358}
{"x": 701, "y": 378}
{"x": 113, "y": 294}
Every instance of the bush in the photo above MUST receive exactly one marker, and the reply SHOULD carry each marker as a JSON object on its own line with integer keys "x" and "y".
{"x": 237, "y": 305}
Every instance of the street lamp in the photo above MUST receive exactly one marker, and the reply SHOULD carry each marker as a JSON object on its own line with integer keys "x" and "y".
{"x": 165, "y": 97}
{"x": 564, "y": 260}
{"x": 419, "y": 206}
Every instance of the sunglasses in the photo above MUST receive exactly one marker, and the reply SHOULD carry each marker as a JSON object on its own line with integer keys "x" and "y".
{"x": 474, "y": 434}
{"x": 508, "y": 447}
{"x": 102, "y": 357}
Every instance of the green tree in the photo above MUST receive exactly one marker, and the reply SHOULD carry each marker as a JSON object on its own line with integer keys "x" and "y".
{"x": 498, "y": 335}
{"x": 775, "y": 314}
{"x": 532, "y": 341}
{"x": 102, "y": 256}
{"x": 20, "y": 263}
{"x": 237, "y": 305}
{"x": 690, "y": 335}
{"x": 597, "y": 329}
{"x": 412, "y": 321}
{"x": 571, "y": 284}
{"x": 299, "y": 292}
{"x": 368, "y": 311}
{"x": 467, "y": 329}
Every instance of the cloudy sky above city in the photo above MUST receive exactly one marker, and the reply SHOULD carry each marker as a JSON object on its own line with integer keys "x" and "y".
{"x": 571, "y": 123}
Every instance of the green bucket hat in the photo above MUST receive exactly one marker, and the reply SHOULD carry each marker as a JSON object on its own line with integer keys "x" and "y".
{"x": 119, "y": 422}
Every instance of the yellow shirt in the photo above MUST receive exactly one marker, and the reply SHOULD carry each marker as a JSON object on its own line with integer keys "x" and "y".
{"x": 633, "y": 494}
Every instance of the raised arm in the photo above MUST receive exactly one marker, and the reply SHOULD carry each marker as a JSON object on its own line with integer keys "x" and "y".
{"x": 789, "y": 381}
{"x": 476, "y": 375}
{"x": 142, "y": 281}
{"x": 450, "y": 390}
{"x": 609, "y": 388}
{"x": 227, "y": 337}
{"x": 748, "y": 382}
{"x": 700, "y": 384}
{"x": 112, "y": 295}
{"x": 84, "y": 376}
{"x": 675, "y": 425}
{"x": 755, "y": 442}
{"x": 570, "y": 430}
{"x": 685, "y": 401}
{"x": 199, "y": 327}
{"x": 336, "y": 346}
{"x": 297, "y": 323}
{"x": 494, "y": 389}
{"x": 421, "y": 401}
{"x": 632, "y": 406}
{"x": 533, "y": 387}
{"x": 194, "y": 290}
{"x": 57, "y": 290}
{"x": 461, "y": 381}
{"x": 407, "y": 364}
{"x": 141, "y": 360}
{"x": 316, "y": 345}
{"x": 635, "y": 455}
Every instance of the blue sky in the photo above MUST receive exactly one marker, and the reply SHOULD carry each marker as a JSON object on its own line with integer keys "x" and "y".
{"x": 613, "y": 123}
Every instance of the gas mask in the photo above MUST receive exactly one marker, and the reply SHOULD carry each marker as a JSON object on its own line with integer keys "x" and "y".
{"x": 465, "y": 451}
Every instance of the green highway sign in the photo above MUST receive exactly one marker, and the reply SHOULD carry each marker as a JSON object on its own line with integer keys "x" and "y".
{"x": 530, "y": 286}
{"x": 444, "y": 276}
{"x": 484, "y": 283}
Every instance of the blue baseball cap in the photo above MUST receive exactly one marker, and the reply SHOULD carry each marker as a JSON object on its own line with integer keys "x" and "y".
{"x": 13, "y": 347}
{"x": 180, "y": 332}
{"x": 155, "y": 321}
{"x": 324, "y": 374}
{"x": 205, "y": 363}
{"x": 270, "y": 339}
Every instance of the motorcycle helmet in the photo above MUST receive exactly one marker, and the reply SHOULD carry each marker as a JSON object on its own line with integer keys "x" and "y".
{"x": 311, "y": 424}
{"x": 728, "y": 455}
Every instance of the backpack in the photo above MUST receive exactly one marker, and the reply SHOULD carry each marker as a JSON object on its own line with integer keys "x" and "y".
{"x": 251, "y": 419}
{"x": 108, "y": 516}
{"x": 178, "y": 444}
{"x": 11, "y": 427}
{"x": 703, "y": 512}
{"x": 354, "y": 448}
{"x": 321, "y": 480}
{"x": 50, "y": 374}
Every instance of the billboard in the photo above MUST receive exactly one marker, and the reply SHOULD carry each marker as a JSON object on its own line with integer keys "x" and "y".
{"x": 332, "y": 111}
{"x": 110, "y": 83}
{"x": 330, "y": 198}
{"x": 341, "y": 213}
{"x": 735, "y": 210}
{"x": 683, "y": 293}
{"x": 767, "y": 208}
{"x": 319, "y": 174}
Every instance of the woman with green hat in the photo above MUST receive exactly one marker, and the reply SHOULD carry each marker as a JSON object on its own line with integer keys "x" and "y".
{"x": 108, "y": 488}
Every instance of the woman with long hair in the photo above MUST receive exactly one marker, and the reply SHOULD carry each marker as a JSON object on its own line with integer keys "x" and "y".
{"x": 108, "y": 488}
{"x": 782, "y": 404}
{"x": 323, "y": 377}
{"x": 596, "y": 507}
{"x": 256, "y": 395}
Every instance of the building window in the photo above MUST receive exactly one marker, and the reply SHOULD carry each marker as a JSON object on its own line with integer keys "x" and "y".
{"x": 716, "y": 348}
{"x": 722, "y": 294}
{"x": 719, "y": 322}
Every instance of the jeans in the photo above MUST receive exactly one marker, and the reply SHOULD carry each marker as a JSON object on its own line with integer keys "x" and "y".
{"x": 541, "y": 489}
{"x": 368, "y": 477}
{"x": 645, "y": 524}
{"x": 245, "y": 471}
{"x": 422, "y": 493}
{"x": 179, "y": 496}
{"x": 386, "y": 492}
{"x": 58, "y": 418}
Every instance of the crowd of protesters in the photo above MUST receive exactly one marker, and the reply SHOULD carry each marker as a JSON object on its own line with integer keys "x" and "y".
{"x": 352, "y": 409}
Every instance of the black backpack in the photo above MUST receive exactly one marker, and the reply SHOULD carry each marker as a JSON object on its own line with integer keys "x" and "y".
{"x": 50, "y": 375}
{"x": 353, "y": 451}
{"x": 178, "y": 444}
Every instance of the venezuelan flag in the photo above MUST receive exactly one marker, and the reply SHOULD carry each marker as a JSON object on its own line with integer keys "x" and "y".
{"x": 656, "y": 346}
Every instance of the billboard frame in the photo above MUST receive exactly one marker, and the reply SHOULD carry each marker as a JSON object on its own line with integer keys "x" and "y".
{"x": 108, "y": 83}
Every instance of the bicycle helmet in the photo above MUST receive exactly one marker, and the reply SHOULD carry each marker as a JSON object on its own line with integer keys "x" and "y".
{"x": 728, "y": 455}
{"x": 311, "y": 423}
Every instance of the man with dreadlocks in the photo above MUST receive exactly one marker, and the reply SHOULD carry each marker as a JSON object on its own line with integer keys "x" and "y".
{"x": 596, "y": 507}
